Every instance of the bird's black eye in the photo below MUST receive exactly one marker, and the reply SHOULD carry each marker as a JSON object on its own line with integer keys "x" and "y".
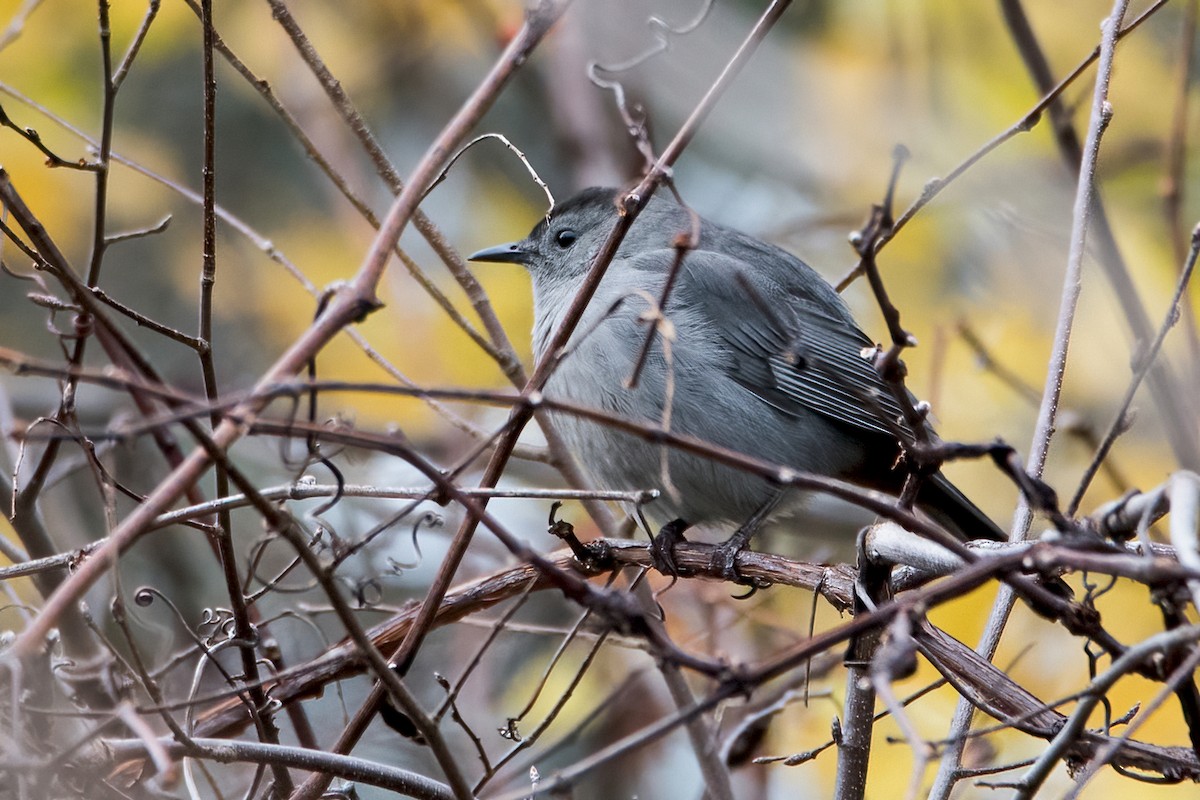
{"x": 565, "y": 238}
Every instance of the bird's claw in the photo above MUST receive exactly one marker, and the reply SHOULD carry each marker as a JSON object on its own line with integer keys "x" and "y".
{"x": 662, "y": 547}
{"x": 724, "y": 564}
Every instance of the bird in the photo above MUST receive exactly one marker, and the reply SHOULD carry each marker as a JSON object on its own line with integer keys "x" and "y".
{"x": 754, "y": 352}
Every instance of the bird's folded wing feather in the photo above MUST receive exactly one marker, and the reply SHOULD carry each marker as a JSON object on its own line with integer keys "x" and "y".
{"x": 793, "y": 343}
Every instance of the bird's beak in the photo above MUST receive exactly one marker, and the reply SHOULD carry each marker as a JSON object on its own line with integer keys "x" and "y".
{"x": 511, "y": 253}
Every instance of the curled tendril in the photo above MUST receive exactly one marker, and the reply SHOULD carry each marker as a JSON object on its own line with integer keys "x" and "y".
{"x": 368, "y": 592}
{"x": 662, "y": 32}
{"x": 514, "y": 150}
{"x": 429, "y": 519}
{"x": 220, "y": 620}
{"x": 341, "y": 487}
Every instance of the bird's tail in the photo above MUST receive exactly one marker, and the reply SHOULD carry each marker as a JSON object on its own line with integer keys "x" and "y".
{"x": 941, "y": 499}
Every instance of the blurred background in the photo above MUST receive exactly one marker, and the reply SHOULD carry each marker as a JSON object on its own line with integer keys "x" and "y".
{"x": 796, "y": 152}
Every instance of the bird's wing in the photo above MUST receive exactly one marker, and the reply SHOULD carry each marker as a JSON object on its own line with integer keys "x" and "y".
{"x": 791, "y": 340}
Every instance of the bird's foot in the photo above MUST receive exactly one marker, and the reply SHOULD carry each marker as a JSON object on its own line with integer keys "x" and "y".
{"x": 724, "y": 562}
{"x": 662, "y": 547}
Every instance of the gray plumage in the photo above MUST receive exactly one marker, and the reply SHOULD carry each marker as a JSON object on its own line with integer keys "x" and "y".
{"x": 759, "y": 355}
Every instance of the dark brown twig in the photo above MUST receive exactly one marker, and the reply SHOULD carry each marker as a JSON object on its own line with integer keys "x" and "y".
{"x": 34, "y": 138}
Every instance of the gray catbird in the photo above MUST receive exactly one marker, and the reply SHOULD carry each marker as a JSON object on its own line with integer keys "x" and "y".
{"x": 760, "y": 355}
